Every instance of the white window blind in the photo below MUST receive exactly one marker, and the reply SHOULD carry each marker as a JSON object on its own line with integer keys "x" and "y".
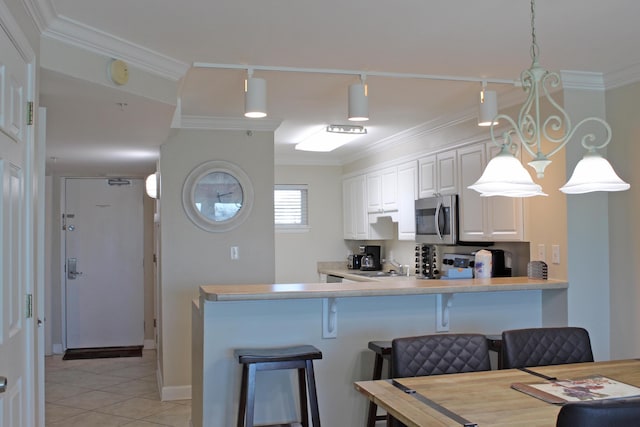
{"x": 290, "y": 204}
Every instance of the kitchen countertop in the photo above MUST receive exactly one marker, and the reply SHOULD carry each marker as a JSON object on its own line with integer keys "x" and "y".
{"x": 340, "y": 269}
{"x": 354, "y": 276}
{"x": 391, "y": 286}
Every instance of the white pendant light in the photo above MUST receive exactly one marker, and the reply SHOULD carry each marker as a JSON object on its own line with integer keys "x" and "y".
{"x": 255, "y": 97}
{"x": 593, "y": 173}
{"x": 505, "y": 176}
{"x": 487, "y": 107}
{"x": 151, "y": 186}
{"x": 358, "y": 102}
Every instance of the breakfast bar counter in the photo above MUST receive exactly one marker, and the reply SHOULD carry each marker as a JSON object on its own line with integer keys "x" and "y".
{"x": 340, "y": 319}
{"x": 387, "y": 287}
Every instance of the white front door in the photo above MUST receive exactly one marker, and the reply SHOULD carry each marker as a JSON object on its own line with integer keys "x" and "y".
{"x": 17, "y": 356}
{"x": 104, "y": 255}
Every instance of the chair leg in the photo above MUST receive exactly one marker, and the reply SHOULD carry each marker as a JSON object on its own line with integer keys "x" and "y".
{"x": 302, "y": 392}
{"x": 242, "y": 405}
{"x": 313, "y": 396}
{"x": 377, "y": 374}
{"x": 251, "y": 394}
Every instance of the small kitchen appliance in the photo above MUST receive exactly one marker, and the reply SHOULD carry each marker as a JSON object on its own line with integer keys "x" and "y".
{"x": 426, "y": 261}
{"x": 457, "y": 266}
{"x": 370, "y": 258}
{"x": 492, "y": 263}
{"x": 437, "y": 220}
{"x": 500, "y": 263}
{"x": 354, "y": 262}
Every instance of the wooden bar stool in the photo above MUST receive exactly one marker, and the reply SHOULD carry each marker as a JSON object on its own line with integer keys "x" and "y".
{"x": 382, "y": 350}
{"x": 495, "y": 344}
{"x": 270, "y": 359}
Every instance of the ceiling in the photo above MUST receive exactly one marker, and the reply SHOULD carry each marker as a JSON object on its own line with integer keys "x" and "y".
{"x": 89, "y": 132}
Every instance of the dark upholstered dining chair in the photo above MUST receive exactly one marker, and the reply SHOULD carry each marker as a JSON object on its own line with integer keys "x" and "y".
{"x": 545, "y": 346}
{"x": 600, "y": 413}
{"x": 438, "y": 354}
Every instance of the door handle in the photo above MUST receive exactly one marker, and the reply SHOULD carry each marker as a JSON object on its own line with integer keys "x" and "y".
{"x": 3, "y": 384}
{"x": 72, "y": 271}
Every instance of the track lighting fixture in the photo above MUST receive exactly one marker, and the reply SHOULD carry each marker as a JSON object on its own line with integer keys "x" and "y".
{"x": 488, "y": 106}
{"x": 358, "y": 101}
{"x": 255, "y": 97}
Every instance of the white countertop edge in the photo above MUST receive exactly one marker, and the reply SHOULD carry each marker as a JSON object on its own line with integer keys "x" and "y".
{"x": 388, "y": 287}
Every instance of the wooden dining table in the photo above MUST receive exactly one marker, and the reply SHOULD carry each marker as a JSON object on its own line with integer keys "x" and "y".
{"x": 485, "y": 398}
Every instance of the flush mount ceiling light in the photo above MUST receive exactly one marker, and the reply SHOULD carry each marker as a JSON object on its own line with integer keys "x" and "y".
{"x": 255, "y": 97}
{"x": 509, "y": 178}
{"x": 358, "y": 101}
{"x": 330, "y": 138}
{"x": 488, "y": 107}
{"x": 349, "y": 129}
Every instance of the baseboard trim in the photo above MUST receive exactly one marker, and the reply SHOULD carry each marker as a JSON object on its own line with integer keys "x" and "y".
{"x": 57, "y": 349}
{"x": 182, "y": 392}
{"x": 149, "y": 345}
{"x": 172, "y": 393}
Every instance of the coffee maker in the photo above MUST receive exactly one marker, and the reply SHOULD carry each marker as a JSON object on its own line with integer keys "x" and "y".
{"x": 370, "y": 258}
{"x": 500, "y": 263}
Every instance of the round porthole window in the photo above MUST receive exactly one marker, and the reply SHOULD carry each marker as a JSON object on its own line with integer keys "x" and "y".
{"x": 217, "y": 196}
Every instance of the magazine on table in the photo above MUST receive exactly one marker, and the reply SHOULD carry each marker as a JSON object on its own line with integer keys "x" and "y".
{"x": 593, "y": 387}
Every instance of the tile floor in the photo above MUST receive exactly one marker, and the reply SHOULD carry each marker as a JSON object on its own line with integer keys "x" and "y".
{"x": 108, "y": 392}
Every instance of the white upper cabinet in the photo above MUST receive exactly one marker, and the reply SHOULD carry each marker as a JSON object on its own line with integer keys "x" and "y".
{"x": 407, "y": 194}
{"x": 427, "y": 184}
{"x": 471, "y": 207}
{"x": 382, "y": 191}
{"x": 494, "y": 218}
{"x": 356, "y": 216}
{"x": 505, "y": 217}
{"x": 447, "y": 172}
{"x": 438, "y": 174}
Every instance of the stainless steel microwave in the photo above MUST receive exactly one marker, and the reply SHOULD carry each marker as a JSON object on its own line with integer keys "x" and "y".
{"x": 437, "y": 220}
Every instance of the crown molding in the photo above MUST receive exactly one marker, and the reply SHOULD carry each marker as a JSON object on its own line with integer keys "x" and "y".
{"x": 42, "y": 13}
{"x": 80, "y": 35}
{"x": 68, "y": 31}
{"x": 582, "y": 80}
{"x": 622, "y": 77}
{"x": 17, "y": 37}
{"x": 225, "y": 123}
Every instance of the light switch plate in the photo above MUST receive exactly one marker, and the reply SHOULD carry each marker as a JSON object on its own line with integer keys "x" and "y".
{"x": 555, "y": 254}
{"x": 542, "y": 252}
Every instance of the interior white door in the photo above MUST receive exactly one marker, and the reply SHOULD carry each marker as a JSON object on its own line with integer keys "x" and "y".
{"x": 16, "y": 329}
{"x": 104, "y": 256}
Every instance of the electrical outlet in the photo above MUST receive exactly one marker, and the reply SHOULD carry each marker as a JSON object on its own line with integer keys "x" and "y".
{"x": 555, "y": 254}
{"x": 235, "y": 253}
{"x": 542, "y": 252}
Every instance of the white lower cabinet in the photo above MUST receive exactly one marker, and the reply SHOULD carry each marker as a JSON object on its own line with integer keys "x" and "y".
{"x": 494, "y": 218}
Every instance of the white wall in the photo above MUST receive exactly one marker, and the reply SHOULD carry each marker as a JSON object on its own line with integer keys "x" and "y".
{"x": 623, "y": 115}
{"x": 190, "y": 256}
{"x": 588, "y": 237}
{"x": 297, "y": 253}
